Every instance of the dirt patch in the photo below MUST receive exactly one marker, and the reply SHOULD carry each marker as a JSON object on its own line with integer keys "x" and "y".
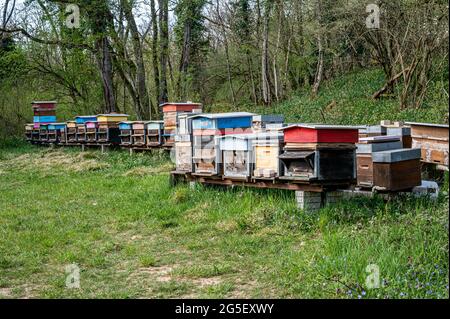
{"x": 160, "y": 274}
{"x": 205, "y": 282}
{"x": 5, "y": 293}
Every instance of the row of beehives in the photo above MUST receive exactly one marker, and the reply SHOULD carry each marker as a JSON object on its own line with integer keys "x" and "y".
{"x": 239, "y": 146}
{"x": 94, "y": 129}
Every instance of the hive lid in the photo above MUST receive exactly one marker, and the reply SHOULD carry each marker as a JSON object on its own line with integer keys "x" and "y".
{"x": 378, "y": 147}
{"x": 222, "y": 115}
{"x": 324, "y": 127}
{"x": 394, "y": 156}
{"x": 428, "y": 124}
{"x": 379, "y": 139}
{"x": 113, "y": 115}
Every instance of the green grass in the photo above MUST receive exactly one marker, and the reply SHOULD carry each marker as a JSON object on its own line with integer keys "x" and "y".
{"x": 133, "y": 235}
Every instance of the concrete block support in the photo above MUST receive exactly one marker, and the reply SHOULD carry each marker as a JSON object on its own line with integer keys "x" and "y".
{"x": 309, "y": 201}
{"x": 333, "y": 197}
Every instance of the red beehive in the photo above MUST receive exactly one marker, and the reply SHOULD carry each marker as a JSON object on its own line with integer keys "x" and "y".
{"x": 311, "y": 133}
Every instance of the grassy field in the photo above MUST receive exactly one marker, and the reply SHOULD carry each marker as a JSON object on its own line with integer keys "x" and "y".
{"x": 134, "y": 236}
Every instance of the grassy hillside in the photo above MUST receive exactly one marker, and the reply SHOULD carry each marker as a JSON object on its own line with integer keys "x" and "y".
{"x": 347, "y": 100}
{"x": 132, "y": 235}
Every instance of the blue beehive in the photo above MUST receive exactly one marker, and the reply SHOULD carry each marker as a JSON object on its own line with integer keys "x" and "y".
{"x": 84, "y": 119}
{"x": 44, "y": 119}
{"x": 220, "y": 121}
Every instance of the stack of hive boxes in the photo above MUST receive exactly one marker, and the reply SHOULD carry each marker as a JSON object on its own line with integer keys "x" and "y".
{"x": 319, "y": 153}
{"x": 365, "y": 150}
{"x": 71, "y": 132}
{"x": 44, "y": 112}
{"x": 399, "y": 129}
{"x": 126, "y": 133}
{"x": 154, "y": 133}
{"x": 267, "y": 150}
{"x": 206, "y": 129}
{"x": 433, "y": 140}
{"x": 183, "y": 142}
{"x": 81, "y": 126}
{"x": 91, "y": 131}
{"x": 139, "y": 135}
{"x": 29, "y": 132}
{"x": 241, "y": 152}
{"x": 171, "y": 112}
{"x": 56, "y": 133}
{"x": 108, "y": 128}
{"x": 371, "y": 131}
{"x": 43, "y": 132}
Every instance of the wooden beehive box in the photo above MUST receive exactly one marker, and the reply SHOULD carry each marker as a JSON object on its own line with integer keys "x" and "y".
{"x": 372, "y": 130}
{"x": 91, "y": 132}
{"x": 262, "y": 122}
{"x": 155, "y": 133}
{"x": 397, "y": 170}
{"x": 266, "y": 153}
{"x": 433, "y": 140}
{"x": 206, "y": 155}
{"x": 112, "y": 118}
{"x": 237, "y": 154}
{"x": 319, "y": 164}
{"x": 126, "y": 132}
{"x": 222, "y": 121}
{"x": 404, "y": 132}
{"x": 29, "y": 131}
{"x": 188, "y": 107}
{"x": 364, "y": 161}
{"x": 139, "y": 136}
{"x": 183, "y": 157}
{"x": 317, "y": 133}
{"x": 54, "y": 132}
{"x": 71, "y": 132}
{"x": 43, "y": 133}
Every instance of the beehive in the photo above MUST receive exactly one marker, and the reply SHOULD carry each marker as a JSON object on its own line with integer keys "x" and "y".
{"x": 139, "y": 135}
{"x": 154, "y": 133}
{"x": 237, "y": 154}
{"x": 207, "y": 157}
{"x": 55, "y": 132}
{"x": 364, "y": 152}
{"x": 319, "y": 152}
{"x": 267, "y": 151}
{"x": 113, "y": 119}
{"x": 71, "y": 132}
{"x": 433, "y": 140}
{"x": 91, "y": 132}
{"x": 397, "y": 170}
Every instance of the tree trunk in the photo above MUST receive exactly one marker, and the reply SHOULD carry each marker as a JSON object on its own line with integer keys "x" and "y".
{"x": 319, "y": 71}
{"x": 265, "y": 66}
{"x": 105, "y": 64}
{"x": 164, "y": 48}
{"x": 155, "y": 51}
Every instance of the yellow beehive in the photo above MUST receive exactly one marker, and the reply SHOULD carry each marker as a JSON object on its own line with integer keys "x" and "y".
{"x": 266, "y": 160}
{"x": 71, "y": 124}
{"x": 112, "y": 118}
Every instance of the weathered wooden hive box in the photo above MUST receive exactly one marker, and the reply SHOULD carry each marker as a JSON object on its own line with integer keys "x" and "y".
{"x": 264, "y": 122}
{"x": 183, "y": 144}
{"x": 372, "y": 130}
{"x": 170, "y": 113}
{"x": 397, "y": 170}
{"x": 267, "y": 149}
{"x": 43, "y": 133}
{"x": 126, "y": 132}
{"x": 155, "y": 131}
{"x": 364, "y": 152}
{"x": 29, "y": 132}
{"x": 55, "y": 132}
{"x": 404, "y": 132}
{"x": 433, "y": 140}
{"x": 108, "y": 128}
{"x": 91, "y": 132}
{"x": 44, "y": 112}
{"x": 237, "y": 155}
{"x": 320, "y": 152}
{"x": 207, "y": 157}
{"x": 71, "y": 132}
{"x": 139, "y": 135}
{"x": 81, "y": 126}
